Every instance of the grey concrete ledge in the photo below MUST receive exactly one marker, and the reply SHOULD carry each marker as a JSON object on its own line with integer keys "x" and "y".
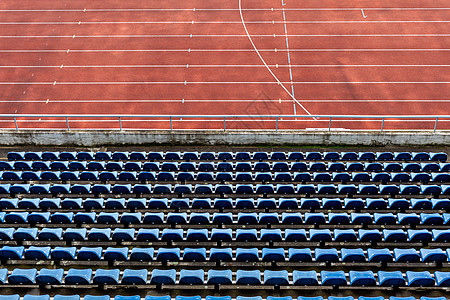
{"x": 210, "y": 137}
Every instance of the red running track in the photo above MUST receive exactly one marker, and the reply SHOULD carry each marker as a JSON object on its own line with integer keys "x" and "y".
{"x": 195, "y": 57}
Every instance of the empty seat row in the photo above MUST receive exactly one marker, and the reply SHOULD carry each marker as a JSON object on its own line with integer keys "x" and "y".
{"x": 194, "y": 155}
{"x": 226, "y": 203}
{"x": 225, "y": 277}
{"x": 382, "y": 177}
{"x": 225, "y": 254}
{"x": 225, "y": 235}
{"x": 243, "y": 218}
{"x": 223, "y": 166}
{"x": 240, "y": 189}
{"x": 118, "y": 297}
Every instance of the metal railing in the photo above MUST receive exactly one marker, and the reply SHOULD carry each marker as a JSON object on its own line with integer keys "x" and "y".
{"x": 30, "y": 118}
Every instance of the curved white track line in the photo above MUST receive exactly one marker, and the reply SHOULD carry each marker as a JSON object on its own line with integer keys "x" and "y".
{"x": 264, "y": 62}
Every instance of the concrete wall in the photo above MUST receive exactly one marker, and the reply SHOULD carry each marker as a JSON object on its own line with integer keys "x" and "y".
{"x": 189, "y": 137}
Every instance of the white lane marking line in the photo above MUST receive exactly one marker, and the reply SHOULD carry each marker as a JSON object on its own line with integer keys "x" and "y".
{"x": 362, "y": 11}
{"x": 229, "y": 50}
{"x": 225, "y": 35}
{"x": 289, "y": 57}
{"x": 264, "y": 62}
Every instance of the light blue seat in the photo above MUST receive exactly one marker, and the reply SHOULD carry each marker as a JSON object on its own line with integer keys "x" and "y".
{"x": 291, "y": 218}
{"x": 408, "y": 219}
{"x": 153, "y": 218}
{"x": 134, "y": 277}
{"x": 248, "y": 277}
{"x": 362, "y": 278}
{"x": 79, "y": 277}
{"x": 197, "y": 235}
{"x": 406, "y": 255}
{"x": 38, "y": 218}
{"x": 148, "y": 235}
{"x": 79, "y": 189}
{"x": 273, "y": 254}
{"x": 295, "y": 235}
{"x": 194, "y": 254}
{"x": 103, "y": 276}
{"x": 90, "y": 253}
{"x": 306, "y": 278}
{"x": 75, "y": 234}
{"x": 314, "y": 218}
{"x": 219, "y": 277}
{"x": 99, "y": 234}
{"x": 22, "y": 276}
{"x": 326, "y": 255}
{"x": 25, "y": 234}
{"x": 29, "y": 203}
{"x": 224, "y": 235}
{"x": 300, "y": 255}
{"x": 433, "y": 255}
{"x": 123, "y": 234}
{"x": 247, "y": 254}
{"x": 394, "y": 235}
{"x": 84, "y": 218}
{"x": 63, "y": 253}
{"x": 419, "y": 235}
{"x": 116, "y": 254}
{"x": 11, "y": 252}
{"x": 442, "y": 278}
{"x": 10, "y": 297}
{"x": 157, "y": 297}
{"x": 37, "y": 253}
{"x": 384, "y": 218}
{"x": 419, "y": 279}
{"x": 192, "y": 277}
{"x": 176, "y": 218}
{"x": 431, "y": 219}
{"x": 369, "y": 235}
{"x": 333, "y": 278}
{"x": 270, "y": 235}
{"x": 320, "y": 235}
{"x": 8, "y": 202}
{"x": 142, "y": 254}
{"x": 353, "y": 255}
{"x": 344, "y": 235}
{"x": 276, "y": 277}
{"x": 130, "y": 218}
{"x": 108, "y": 218}
{"x": 222, "y": 218}
{"x": 50, "y": 276}
{"x": 220, "y": 254}
{"x": 199, "y": 218}
{"x": 168, "y": 254}
{"x": 441, "y": 235}
{"x": 62, "y": 218}
{"x": 36, "y": 297}
{"x": 246, "y": 235}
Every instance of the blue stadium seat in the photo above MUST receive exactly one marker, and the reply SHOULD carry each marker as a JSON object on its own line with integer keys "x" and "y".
{"x": 225, "y": 156}
{"x": 136, "y": 203}
{"x": 172, "y": 234}
{"x": 248, "y": 277}
{"x": 63, "y": 253}
{"x": 400, "y": 177}
{"x": 326, "y": 255}
{"x": 148, "y": 235}
{"x": 219, "y": 277}
{"x": 37, "y": 253}
{"x": 442, "y": 278}
{"x": 108, "y": 218}
{"x": 379, "y": 255}
{"x": 199, "y": 218}
{"x": 202, "y": 203}
{"x": 419, "y": 235}
{"x": 22, "y": 276}
{"x": 36, "y": 297}
{"x": 79, "y": 276}
{"x": 197, "y": 235}
{"x": 352, "y": 255}
{"x": 246, "y": 235}
{"x": 103, "y": 155}
{"x": 282, "y": 177}
{"x": 62, "y": 218}
{"x": 222, "y": 218}
{"x": 50, "y": 276}
{"x": 291, "y": 218}
{"x": 155, "y": 155}
{"x": 68, "y": 297}
{"x": 90, "y": 253}
{"x": 153, "y": 218}
{"x": 224, "y": 176}
{"x": 158, "y": 203}
{"x": 75, "y": 234}
{"x": 420, "y": 177}
{"x": 205, "y": 176}
{"x": 431, "y": 219}
{"x": 338, "y": 218}
{"x": 384, "y": 218}
{"x": 406, "y": 255}
{"x": 176, "y": 218}
{"x": 140, "y": 189}
{"x": 295, "y": 235}
{"x": 224, "y": 235}
{"x": 247, "y": 218}
{"x": 134, "y": 277}
{"x": 116, "y": 254}
{"x": 333, "y": 278}
{"x": 361, "y": 218}
{"x": 163, "y": 276}
{"x": 104, "y": 276}
{"x": 433, "y": 255}
{"x": 273, "y": 254}
{"x": 394, "y": 278}
{"x": 276, "y": 277}
{"x": 151, "y": 166}
{"x": 307, "y": 189}
{"x": 362, "y": 278}
{"x": 320, "y": 235}
{"x": 247, "y": 254}
{"x": 344, "y": 235}
{"x": 302, "y": 177}
{"x": 300, "y": 255}
{"x": 93, "y": 203}
{"x": 194, "y": 277}
{"x": 266, "y": 203}
{"x": 162, "y": 189}
{"x": 419, "y": 279}
{"x": 270, "y": 235}
{"x": 394, "y": 235}
{"x": 220, "y": 254}
{"x": 341, "y": 177}
{"x": 25, "y": 234}
{"x": 130, "y": 218}
{"x": 11, "y": 252}
{"x": 331, "y": 203}
{"x": 268, "y": 218}
{"x": 38, "y": 218}
{"x": 321, "y": 177}
{"x": 142, "y": 254}
{"x": 368, "y": 189}
{"x": 288, "y": 203}
{"x": 16, "y": 217}
{"x": 305, "y": 278}
{"x": 148, "y": 176}
{"x": 314, "y": 218}
{"x": 384, "y": 156}
{"x": 194, "y": 254}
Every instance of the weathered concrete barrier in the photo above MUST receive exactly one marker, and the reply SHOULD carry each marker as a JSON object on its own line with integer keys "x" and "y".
{"x": 231, "y": 137}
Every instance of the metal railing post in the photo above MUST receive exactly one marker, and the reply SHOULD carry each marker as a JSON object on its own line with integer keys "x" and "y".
{"x": 15, "y": 123}
{"x": 67, "y": 122}
{"x": 171, "y": 125}
{"x": 276, "y": 124}
{"x": 435, "y": 125}
{"x": 329, "y": 126}
{"x": 382, "y": 125}
{"x": 120, "y": 124}
{"x": 224, "y": 127}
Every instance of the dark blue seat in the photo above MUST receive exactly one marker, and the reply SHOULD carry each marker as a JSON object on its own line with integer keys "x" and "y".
{"x": 400, "y": 177}
{"x": 340, "y": 177}
{"x": 300, "y": 255}
{"x": 362, "y": 278}
{"x": 90, "y": 253}
{"x": 116, "y": 254}
{"x": 75, "y": 234}
{"x": 373, "y": 167}
{"x": 270, "y": 235}
{"x": 317, "y": 166}
{"x": 151, "y": 166}
{"x": 103, "y": 155}
{"x": 163, "y": 276}
{"x": 314, "y": 218}
{"x": 420, "y": 177}
{"x": 248, "y": 277}
{"x": 25, "y": 234}
{"x": 433, "y": 255}
{"x": 93, "y": 203}
{"x": 219, "y": 277}
{"x": 409, "y": 189}
{"x": 361, "y": 177}
{"x": 320, "y": 235}
{"x": 247, "y": 254}
{"x": 288, "y": 203}
{"x": 419, "y": 235}
{"x": 99, "y": 234}
{"x": 326, "y": 189}
{"x": 50, "y": 234}
{"x": 411, "y": 167}
{"x": 313, "y": 156}
{"x": 11, "y": 252}
{"x": 11, "y": 175}
{"x": 273, "y": 254}
{"x": 368, "y": 189}
{"x": 142, "y": 254}
{"x": 336, "y": 166}
{"x": 295, "y": 235}
{"x": 220, "y": 254}
{"x": 384, "y": 156}
{"x": 246, "y": 235}
{"x": 384, "y": 218}
{"x": 353, "y": 203}
{"x": 37, "y": 253}
{"x": 291, "y": 218}
{"x": 194, "y": 277}
{"x": 15, "y": 155}
{"x": 133, "y": 277}
{"x": 406, "y": 255}
{"x": 442, "y": 278}
{"x": 333, "y": 278}
{"x": 344, "y": 235}
{"x": 295, "y": 156}
{"x": 299, "y": 167}
{"x": 379, "y": 255}
{"x": 194, "y": 254}
{"x": 136, "y": 203}
{"x": 261, "y": 167}
{"x": 145, "y": 234}
{"x": 104, "y": 276}
{"x": 361, "y": 218}
{"x": 353, "y": 255}
{"x": 79, "y": 276}
{"x": 268, "y": 218}
{"x": 338, "y": 218}
{"x": 50, "y": 276}
{"x": 431, "y": 190}
{"x": 408, "y": 219}
{"x": 331, "y": 203}
{"x": 155, "y": 155}
{"x": 63, "y": 253}
{"x": 197, "y": 235}
{"x": 394, "y": 235}
{"x": 224, "y": 176}
{"x": 172, "y": 234}
{"x": 402, "y": 156}
{"x": 326, "y": 255}
{"x": 419, "y": 279}
{"x": 369, "y": 235}
{"x": 278, "y": 156}
{"x": 349, "y": 156}
{"x": 276, "y": 277}
{"x": 22, "y": 276}
{"x": 243, "y": 167}
{"x": 225, "y": 156}
{"x": 280, "y": 167}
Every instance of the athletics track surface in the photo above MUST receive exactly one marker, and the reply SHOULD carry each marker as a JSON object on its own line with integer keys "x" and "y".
{"x": 224, "y": 57}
